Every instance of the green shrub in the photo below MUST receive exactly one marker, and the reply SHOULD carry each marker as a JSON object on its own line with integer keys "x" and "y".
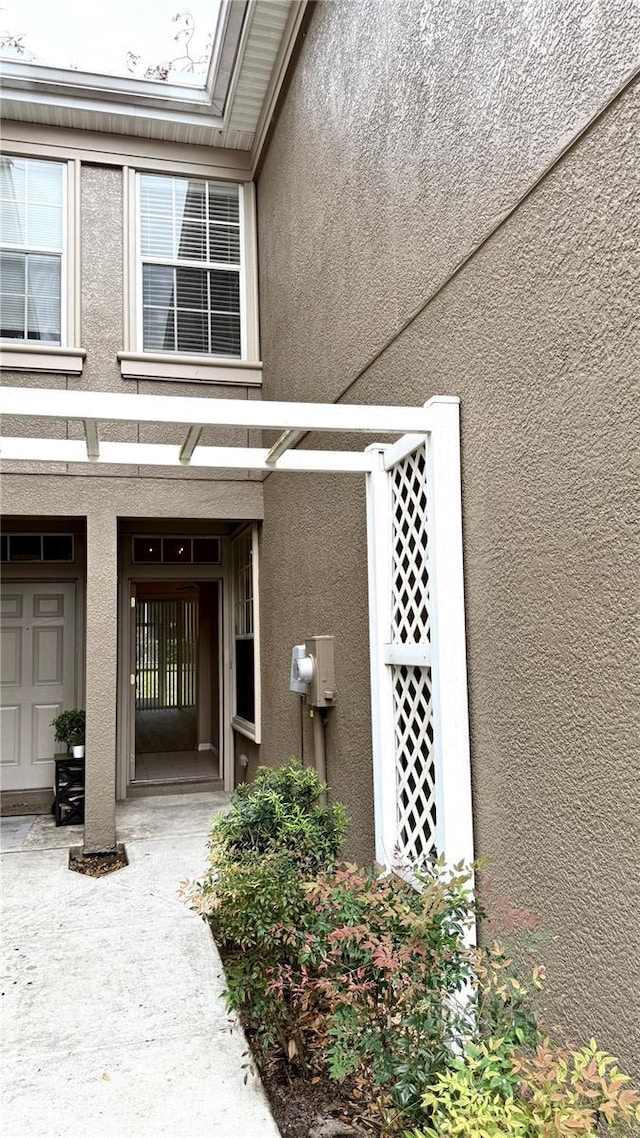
{"x": 553, "y": 1093}
{"x": 275, "y": 835}
{"x": 281, "y": 810}
{"x": 390, "y": 965}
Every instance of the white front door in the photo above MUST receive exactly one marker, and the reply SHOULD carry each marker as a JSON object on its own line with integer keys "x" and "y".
{"x": 38, "y": 678}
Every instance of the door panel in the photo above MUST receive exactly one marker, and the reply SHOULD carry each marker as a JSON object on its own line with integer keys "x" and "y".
{"x": 47, "y": 656}
{"x": 11, "y": 656}
{"x": 10, "y": 719}
{"x": 42, "y": 731}
{"x": 38, "y": 678}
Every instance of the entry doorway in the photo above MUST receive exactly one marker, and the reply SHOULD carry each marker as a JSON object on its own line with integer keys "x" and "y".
{"x": 177, "y": 649}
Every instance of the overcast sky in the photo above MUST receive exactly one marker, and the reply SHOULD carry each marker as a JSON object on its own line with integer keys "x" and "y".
{"x": 95, "y": 35}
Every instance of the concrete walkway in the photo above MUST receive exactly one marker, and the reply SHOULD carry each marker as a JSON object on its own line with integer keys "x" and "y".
{"x": 112, "y": 1021}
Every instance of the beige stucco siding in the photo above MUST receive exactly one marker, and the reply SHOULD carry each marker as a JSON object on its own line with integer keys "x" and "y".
{"x": 424, "y": 132}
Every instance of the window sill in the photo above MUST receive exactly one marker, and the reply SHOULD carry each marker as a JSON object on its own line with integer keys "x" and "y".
{"x": 243, "y": 727}
{"x": 32, "y": 357}
{"x": 189, "y": 369}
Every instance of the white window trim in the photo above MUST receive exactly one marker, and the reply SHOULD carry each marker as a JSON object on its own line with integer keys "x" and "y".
{"x": 137, "y": 364}
{"x": 67, "y": 357}
{"x": 242, "y": 726}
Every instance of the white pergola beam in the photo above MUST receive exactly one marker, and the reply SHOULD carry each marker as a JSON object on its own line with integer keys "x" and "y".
{"x": 189, "y": 445}
{"x": 401, "y": 449}
{"x": 287, "y": 439}
{"x": 92, "y": 440}
{"x": 251, "y": 414}
{"x": 160, "y": 454}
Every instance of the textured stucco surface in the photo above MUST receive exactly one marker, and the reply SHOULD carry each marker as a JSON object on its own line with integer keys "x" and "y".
{"x": 101, "y": 682}
{"x": 308, "y": 573}
{"x": 404, "y": 136}
{"x": 130, "y": 497}
{"x": 409, "y": 128}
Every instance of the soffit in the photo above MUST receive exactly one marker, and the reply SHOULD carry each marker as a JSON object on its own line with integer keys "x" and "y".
{"x": 261, "y": 55}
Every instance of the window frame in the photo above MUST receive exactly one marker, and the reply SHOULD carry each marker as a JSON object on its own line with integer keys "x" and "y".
{"x": 10, "y": 535}
{"x": 162, "y": 537}
{"x": 135, "y": 362}
{"x": 67, "y": 356}
{"x": 243, "y": 726}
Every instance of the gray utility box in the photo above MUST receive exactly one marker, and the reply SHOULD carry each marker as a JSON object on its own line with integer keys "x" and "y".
{"x": 322, "y": 688}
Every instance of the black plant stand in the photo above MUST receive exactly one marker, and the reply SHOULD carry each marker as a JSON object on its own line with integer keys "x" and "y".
{"x": 68, "y": 806}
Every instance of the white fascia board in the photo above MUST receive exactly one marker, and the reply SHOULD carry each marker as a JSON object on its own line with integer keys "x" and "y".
{"x": 227, "y": 53}
{"x": 259, "y": 414}
{"x": 115, "y": 106}
{"x": 161, "y": 454}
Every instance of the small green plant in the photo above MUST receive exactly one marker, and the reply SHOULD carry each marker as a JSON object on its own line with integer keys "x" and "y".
{"x": 553, "y": 1093}
{"x": 280, "y": 810}
{"x": 476, "y": 1096}
{"x": 69, "y": 728}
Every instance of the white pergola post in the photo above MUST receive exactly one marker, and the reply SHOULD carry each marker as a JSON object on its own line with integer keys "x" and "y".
{"x": 448, "y": 640}
{"x": 382, "y": 730}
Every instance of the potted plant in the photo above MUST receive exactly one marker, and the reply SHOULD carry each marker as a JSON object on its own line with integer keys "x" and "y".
{"x": 69, "y": 729}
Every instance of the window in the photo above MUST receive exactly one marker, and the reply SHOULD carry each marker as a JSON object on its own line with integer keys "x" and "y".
{"x": 33, "y": 224}
{"x": 190, "y": 252}
{"x": 246, "y": 645}
{"x": 176, "y": 550}
{"x": 37, "y": 547}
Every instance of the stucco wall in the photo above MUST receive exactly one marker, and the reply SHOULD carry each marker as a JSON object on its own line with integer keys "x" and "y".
{"x": 407, "y": 131}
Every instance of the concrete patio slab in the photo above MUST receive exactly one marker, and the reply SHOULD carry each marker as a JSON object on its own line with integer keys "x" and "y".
{"x": 138, "y": 818}
{"x": 113, "y": 1021}
{"x": 14, "y": 831}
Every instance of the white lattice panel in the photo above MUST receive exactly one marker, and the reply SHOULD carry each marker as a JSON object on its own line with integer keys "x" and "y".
{"x": 411, "y": 685}
{"x": 410, "y": 574}
{"x": 421, "y": 766}
{"x": 415, "y": 767}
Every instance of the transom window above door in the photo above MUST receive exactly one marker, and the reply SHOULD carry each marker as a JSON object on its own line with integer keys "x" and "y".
{"x": 152, "y": 549}
{"x": 190, "y": 246}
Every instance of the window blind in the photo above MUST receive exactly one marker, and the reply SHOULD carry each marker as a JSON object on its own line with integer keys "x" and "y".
{"x": 31, "y": 235}
{"x": 191, "y": 263}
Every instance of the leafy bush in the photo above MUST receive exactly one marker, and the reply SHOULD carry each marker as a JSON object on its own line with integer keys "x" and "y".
{"x": 368, "y": 976}
{"x": 569, "y": 1094}
{"x": 275, "y": 834}
{"x": 280, "y": 811}
{"x": 553, "y": 1093}
{"x": 387, "y": 964}
{"x": 475, "y": 1097}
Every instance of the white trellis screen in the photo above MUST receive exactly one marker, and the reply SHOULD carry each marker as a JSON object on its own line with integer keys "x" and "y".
{"x": 422, "y": 779}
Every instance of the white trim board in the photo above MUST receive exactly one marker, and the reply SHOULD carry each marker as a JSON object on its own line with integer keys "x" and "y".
{"x": 44, "y": 402}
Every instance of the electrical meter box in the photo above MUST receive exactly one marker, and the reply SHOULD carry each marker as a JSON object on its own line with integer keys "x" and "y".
{"x": 322, "y": 686}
